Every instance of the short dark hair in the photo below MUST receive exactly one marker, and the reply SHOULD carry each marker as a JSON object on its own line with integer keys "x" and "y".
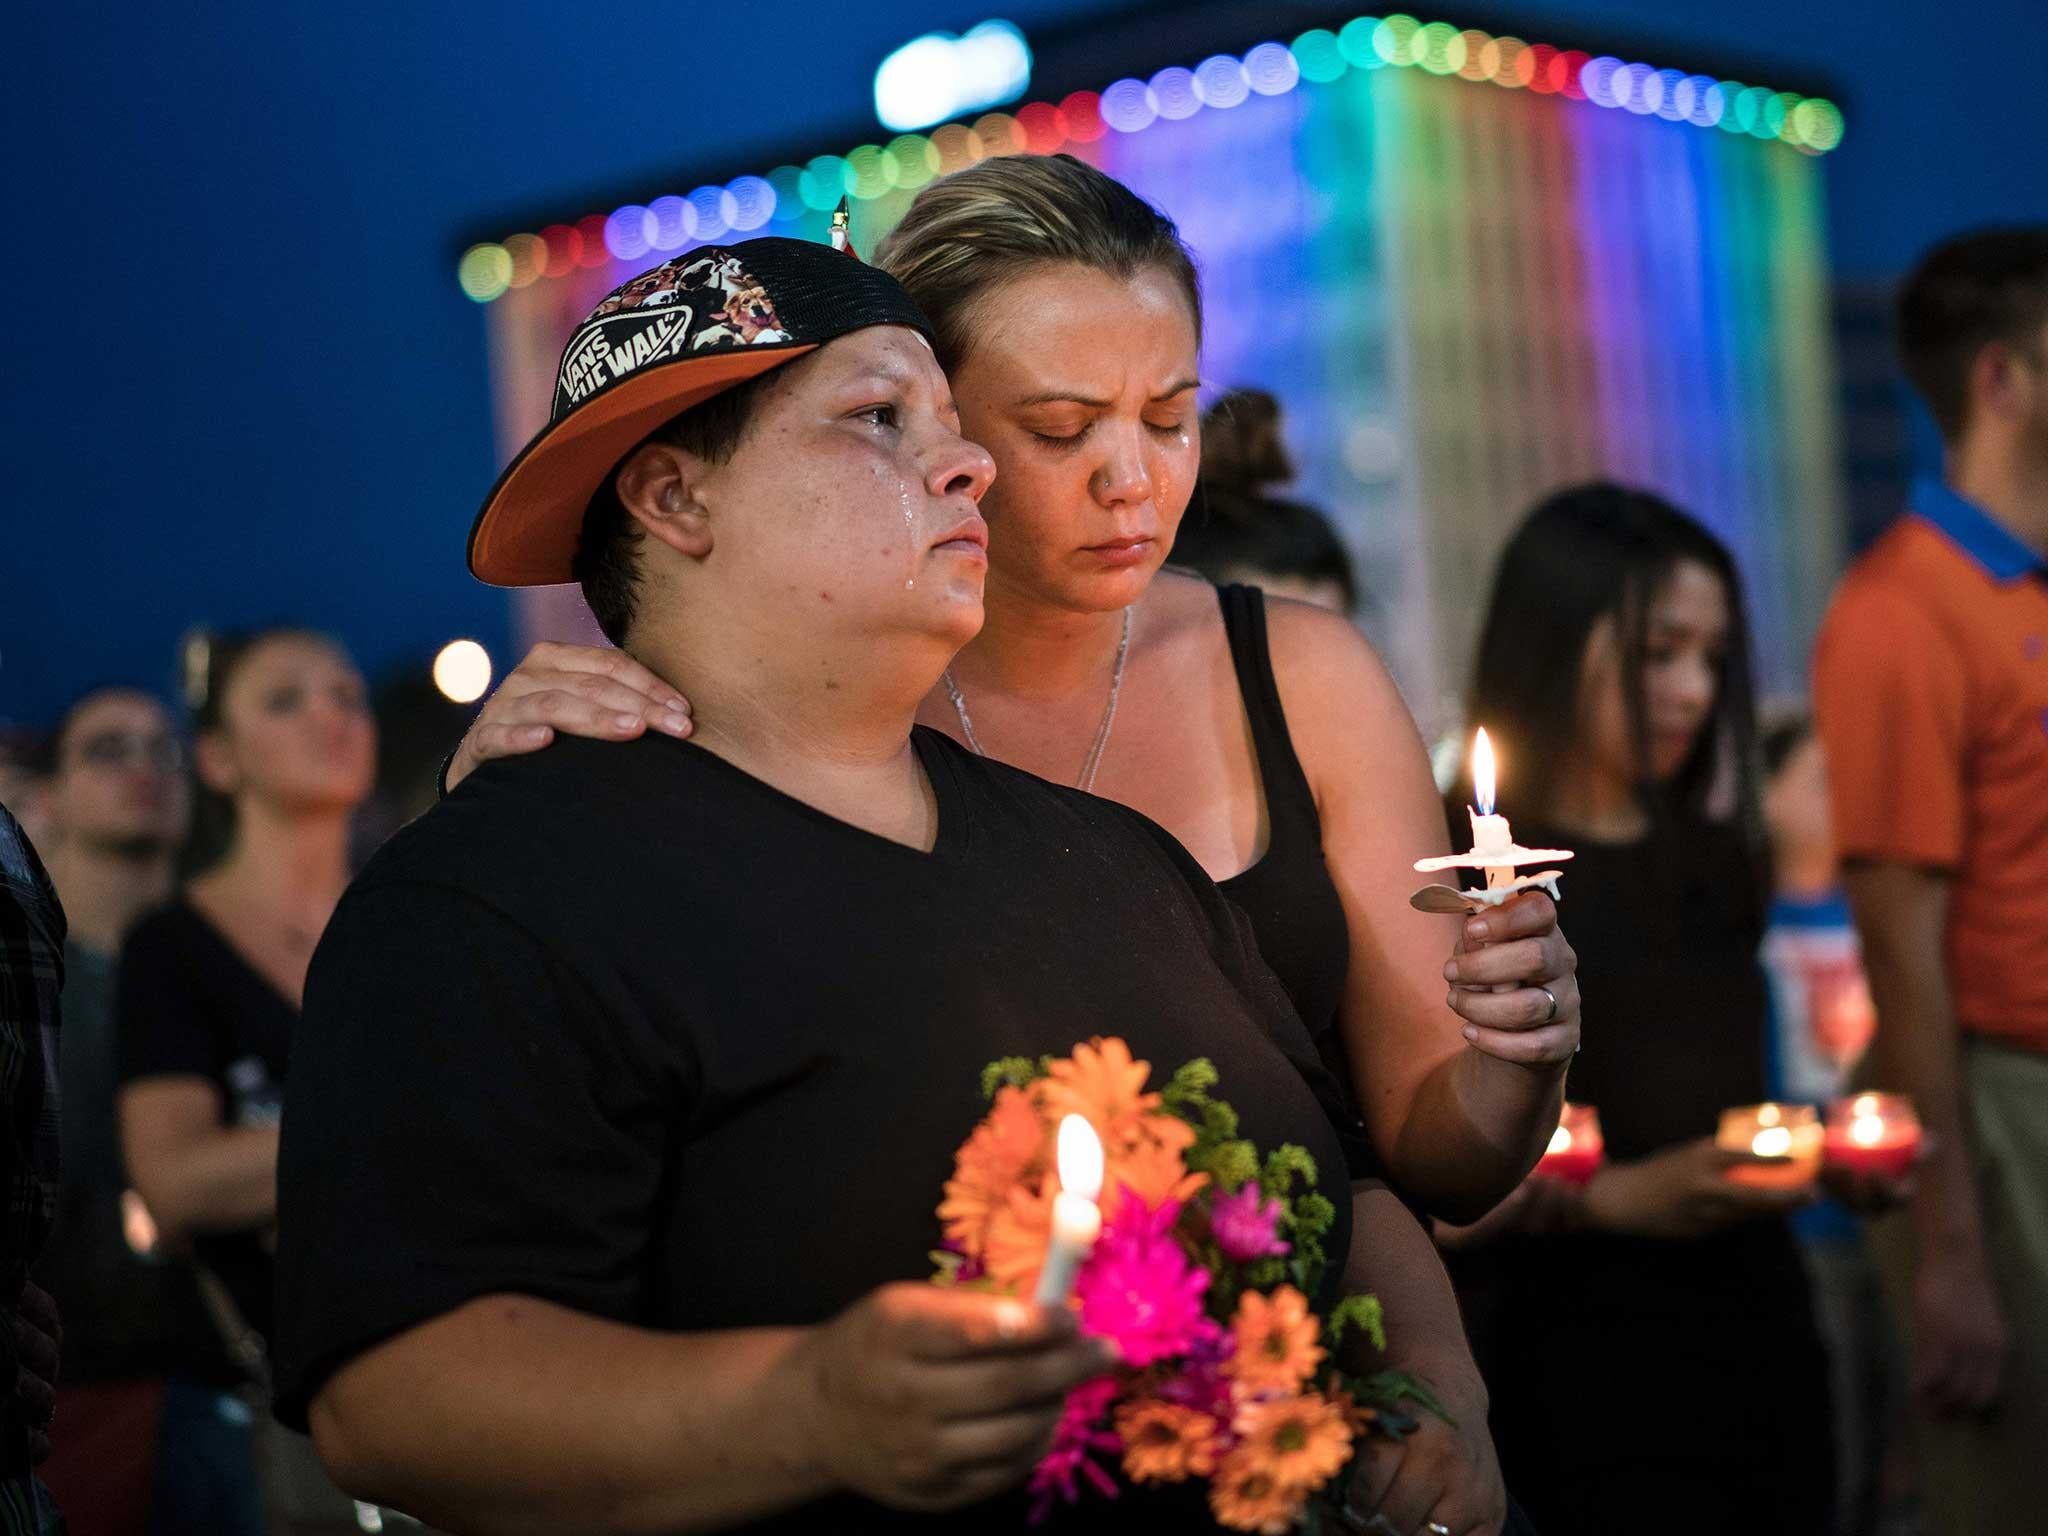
{"x": 1985, "y": 286}
{"x": 607, "y": 561}
{"x": 59, "y": 735}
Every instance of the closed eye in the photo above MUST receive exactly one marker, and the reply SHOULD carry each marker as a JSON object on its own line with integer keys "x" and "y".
{"x": 1061, "y": 439}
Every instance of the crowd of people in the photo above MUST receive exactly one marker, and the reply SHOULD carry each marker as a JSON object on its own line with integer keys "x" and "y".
{"x": 560, "y": 1164}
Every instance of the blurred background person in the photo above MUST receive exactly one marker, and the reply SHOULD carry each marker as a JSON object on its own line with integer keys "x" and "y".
{"x": 1238, "y": 529}
{"x": 210, "y": 988}
{"x": 1931, "y": 686}
{"x": 134, "y": 1453}
{"x": 1664, "y": 1301}
{"x": 1821, "y": 1019}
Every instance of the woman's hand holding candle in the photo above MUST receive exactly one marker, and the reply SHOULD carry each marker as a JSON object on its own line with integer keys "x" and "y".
{"x": 928, "y": 1398}
{"x": 1509, "y": 963}
{"x": 1683, "y": 1192}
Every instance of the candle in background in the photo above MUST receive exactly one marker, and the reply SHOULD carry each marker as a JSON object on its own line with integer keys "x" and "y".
{"x": 1577, "y": 1149}
{"x": 1788, "y": 1131}
{"x": 1874, "y": 1133}
{"x": 1076, "y": 1218}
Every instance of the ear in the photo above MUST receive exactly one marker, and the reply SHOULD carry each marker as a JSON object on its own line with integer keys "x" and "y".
{"x": 215, "y": 764}
{"x": 661, "y": 488}
{"x": 2000, "y": 384}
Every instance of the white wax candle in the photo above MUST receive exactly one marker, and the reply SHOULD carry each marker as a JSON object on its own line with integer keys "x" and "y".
{"x": 1076, "y": 1218}
{"x": 1490, "y": 834}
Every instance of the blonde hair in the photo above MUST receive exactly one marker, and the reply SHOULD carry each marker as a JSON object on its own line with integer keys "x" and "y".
{"x": 978, "y": 228}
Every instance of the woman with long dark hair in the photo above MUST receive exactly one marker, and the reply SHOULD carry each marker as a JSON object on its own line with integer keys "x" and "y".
{"x": 1648, "y": 1342}
{"x": 210, "y": 985}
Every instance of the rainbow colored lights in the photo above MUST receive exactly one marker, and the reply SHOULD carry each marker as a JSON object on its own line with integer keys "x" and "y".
{"x": 1810, "y": 124}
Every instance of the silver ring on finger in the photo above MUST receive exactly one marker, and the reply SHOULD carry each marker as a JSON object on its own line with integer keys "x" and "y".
{"x": 1437, "y": 1528}
{"x": 1548, "y": 1018}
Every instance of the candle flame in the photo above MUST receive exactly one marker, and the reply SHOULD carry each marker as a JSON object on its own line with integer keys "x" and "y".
{"x": 1774, "y": 1142}
{"x": 1560, "y": 1140}
{"x": 1769, "y": 1114}
{"x": 1482, "y": 773}
{"x": 1866, "y": 1130}
{"x": 1080, "y": 1158}
{"x": 1866, "y": 1104}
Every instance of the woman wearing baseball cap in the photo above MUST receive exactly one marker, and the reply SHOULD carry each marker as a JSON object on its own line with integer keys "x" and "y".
{"x": 630, "y": 1074}
{"x": 1266, "y": 736}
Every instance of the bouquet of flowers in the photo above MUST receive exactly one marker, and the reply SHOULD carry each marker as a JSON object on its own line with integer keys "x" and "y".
{"x": 1201, "y": 1276}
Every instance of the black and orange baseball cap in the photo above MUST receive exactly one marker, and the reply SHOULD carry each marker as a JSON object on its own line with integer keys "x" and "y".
{"x": 669, "y": 339}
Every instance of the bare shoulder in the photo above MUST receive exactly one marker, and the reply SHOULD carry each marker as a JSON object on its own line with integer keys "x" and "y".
{"x": 1344, "y": 712}
{"x": 1177, "y": 607}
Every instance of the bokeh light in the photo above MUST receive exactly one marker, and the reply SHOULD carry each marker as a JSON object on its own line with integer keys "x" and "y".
{"x": 462, "y": 671}
{"x": 1319, "y": 56}
{"x": 1127, "y": 107}
{"x": 1221, "y": 83}
{"x": 485, "y": 271}
{"x": 1270, "y": 69}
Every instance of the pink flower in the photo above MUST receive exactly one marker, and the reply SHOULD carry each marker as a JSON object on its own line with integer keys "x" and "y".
{"x": 1083, "y": 1428}
{"x": 1244, "y": 1226}
{"x": 1201, "y": 1383}
{"x": 1138, "y": 1288}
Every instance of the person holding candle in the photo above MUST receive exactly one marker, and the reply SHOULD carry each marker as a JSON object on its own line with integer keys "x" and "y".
{"x": 1663, "y": 1299}
{"x": 1264, "y": 735}
{"x": 631, "y": 1074}
{"x": 1931, "y": 691}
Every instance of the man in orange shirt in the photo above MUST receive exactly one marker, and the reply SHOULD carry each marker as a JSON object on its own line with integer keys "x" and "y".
{"x": 1931, "y": 689}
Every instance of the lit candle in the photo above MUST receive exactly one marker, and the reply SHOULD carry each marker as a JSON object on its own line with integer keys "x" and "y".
{"x": 1577, "y": 1149}
{"x": 1790, "y": 1134}
{"x": 1491, "y": 834}
{"x": 1494, "y": 850}
{"x": 1876, "y": 1133}
{"x": 1076, "y": 1218}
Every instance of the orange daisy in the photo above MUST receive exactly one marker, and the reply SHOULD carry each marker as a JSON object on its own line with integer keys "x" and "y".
{"x": 1152, "y": 1168}
{"x": 1101, "y": 1082}
{"x": 1166, "y": 1442}
{"x": 1302, "y": 1442}
{"x": 1245, "y": 1496}
{"x": 1276, "y": 1341}
{"x": 1018, "y": 1235}
{"x": 1007, "y": 1149}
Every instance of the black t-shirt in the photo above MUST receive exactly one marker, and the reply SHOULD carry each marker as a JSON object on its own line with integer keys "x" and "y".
{"x": 625, "y": 1028}
{"x": 188, "y": 1005}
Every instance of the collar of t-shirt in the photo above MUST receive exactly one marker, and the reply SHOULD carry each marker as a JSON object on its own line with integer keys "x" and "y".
{"x": 1995, "y": 547}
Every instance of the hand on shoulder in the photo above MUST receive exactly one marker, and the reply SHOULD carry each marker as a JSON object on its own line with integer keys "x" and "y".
{"x": 584, "y": 690}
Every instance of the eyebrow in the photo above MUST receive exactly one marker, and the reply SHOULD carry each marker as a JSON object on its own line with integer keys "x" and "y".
{"x": 1074, "y": 397}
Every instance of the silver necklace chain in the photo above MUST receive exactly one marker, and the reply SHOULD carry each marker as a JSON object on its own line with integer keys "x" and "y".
{"x": 1094, "y": 759}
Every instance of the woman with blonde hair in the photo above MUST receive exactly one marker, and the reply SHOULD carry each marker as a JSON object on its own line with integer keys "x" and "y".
{"x": 1268, "y": 738}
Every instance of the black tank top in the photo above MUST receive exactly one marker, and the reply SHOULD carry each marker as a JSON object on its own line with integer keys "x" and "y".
{"x": 1288, "y": 894}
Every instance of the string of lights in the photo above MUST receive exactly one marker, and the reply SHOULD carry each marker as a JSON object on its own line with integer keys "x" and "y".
{"x": 1809, "y": 124}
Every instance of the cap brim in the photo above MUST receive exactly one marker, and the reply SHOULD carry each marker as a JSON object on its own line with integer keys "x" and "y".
{"x": 526, "y": 534}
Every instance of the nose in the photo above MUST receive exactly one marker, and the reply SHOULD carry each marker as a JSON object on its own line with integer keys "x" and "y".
{"x": 1693, "y": 685}
{"x": 957, "y": 467}
{"x": 1124, "y": 476}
